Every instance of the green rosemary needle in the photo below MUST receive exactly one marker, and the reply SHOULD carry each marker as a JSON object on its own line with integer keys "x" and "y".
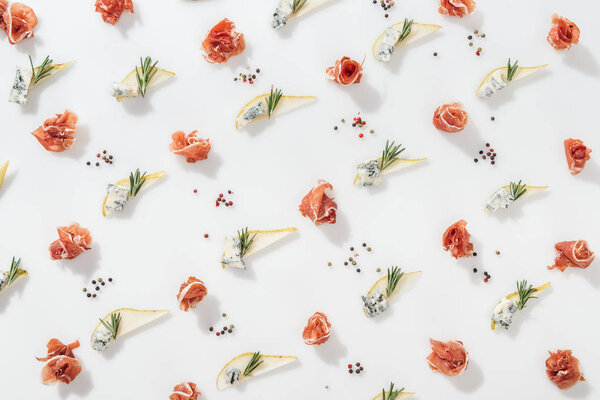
{"x": 136, "y": 181}
{"x": 14, "y": 272}
{"x": 273, "y": 100}
{"x": 144, "y": 74}
{"x": 393, "y": 277}
{"x": 297, "y": 5}
{"x": 254, "y": 362}
{"x": 406, "y": 29}
{"x": 43, "y": 70}
{"x": 517, "y": 190}
{"x": 245, "y": 240}
{"x": 525, "y": 293}
{"x": 113, "y": 325}
{"x": 391, "y": 151}
{"x": 512, "y": 70}
{"x": 392, "y": 394}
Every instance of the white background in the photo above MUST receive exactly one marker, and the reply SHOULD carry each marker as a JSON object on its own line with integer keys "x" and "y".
{"x": 157, "y": 242}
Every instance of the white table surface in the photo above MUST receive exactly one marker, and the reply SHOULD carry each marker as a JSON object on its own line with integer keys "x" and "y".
{"x": 158, "y": 242}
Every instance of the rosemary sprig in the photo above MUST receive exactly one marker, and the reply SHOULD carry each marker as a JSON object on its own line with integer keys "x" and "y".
{"x": 525, "y": 293}
{"x": 391, "y": 394}
{"x": 144, "y": 74}
{"x": 512, "y": 70}
{"x": 43, "y": 70}
{"x": 113, "y": 325}
{"x": 136, "y": 181}
{"x": 245, "y": 240}
{"x": 14, "y": 272}
{"x": 406, "y": 29}
{"x": 393, "y": 277}
{"x": 273, "y": 100}
{"x": 391, "y": 151}
{"x": 517, "y": 190}
{"x": 254, "y": 362}
{"x": 297, "y": 5}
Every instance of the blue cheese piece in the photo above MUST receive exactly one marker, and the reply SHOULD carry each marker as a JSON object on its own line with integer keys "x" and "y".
{"x": 253, "y": 112}
{"x": 504, "y": 311}
{"x": 501, "y": 199}
{"x": 102, "y": 339}
{"x": 493, "y": 84}
{"x": 3, "y": 279}
{"x": 20, "y": 87}
{"x": 232, "y": 375}
{"x": 375, "y": 305}
{"x": 369, "y": 173}
{"x": 233, "y": 253}
{"x": 282, "y": 13}
{"x": 124, "y": 90}
{"x": 117, "y": 197}
{"x": 388, "y": 44}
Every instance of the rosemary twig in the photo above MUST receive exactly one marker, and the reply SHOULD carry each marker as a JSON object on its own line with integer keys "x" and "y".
{"x": 245, "y": 240}
{"x": 512, "y": 70}
{"x": 517, "y": 190}
{"x": 406, "y": 29}
{"x": 393, "y": 277}
{"x": 43, "y": 70}
{"x": 113, "y": 325}
{"x": 391, "y": 151}
{"x": 273, "y": 100}
{"x": 297, "y": 5}
{"x": 14, "y": 272}
{"x": 391, "y": 394}
{"x": 136, "y": 181}
{"x": 254, "y": 362}
{"x": 525, "y": 293}
{"x": 144, "y": 74}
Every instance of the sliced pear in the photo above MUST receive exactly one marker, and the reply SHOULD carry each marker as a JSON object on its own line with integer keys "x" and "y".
{"x": 286, "y": 104}
{"x": 401, "y": 396}
{"x": 264, "y": 239}
{"x": 131, "y": 320}
{"x": 3, "y": 169}
{"x": 309, "y": 6}
{"x": 56, "y": 69}
{"x": 522, "y": 72}
{"x": 397, "y": 165}
{"x": 22, "y": 274}
{"x": 417, "y": 32}
{"x": 406, "y": 282}
{"x": 159, "y": 77}
{"x": 125, "y": 182}
{"x": 531, "y": 190}
{"x": 240, "y": 362}
{"x": 514, "y": 296}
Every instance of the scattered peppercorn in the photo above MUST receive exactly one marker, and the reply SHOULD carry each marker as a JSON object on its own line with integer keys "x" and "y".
{"x": 435, "y": 54}
{"x": 474, "y": 254}
{"x": 89, "y": 295}
{"x": 497, "y": 252}
{"x": 493, "y": 118}
{"x": 474, "y": 270}
{"x": 378, "y": 269}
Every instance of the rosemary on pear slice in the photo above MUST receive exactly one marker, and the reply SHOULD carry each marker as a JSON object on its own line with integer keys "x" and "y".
{"x": 43, "y": 70}
{"x": 393, "y": 277}
{"x": 254, "y": 363}
{"x": 144, "y": 74}
{"x": 512, "y": 70}
{"x": 273, "y": 100}
{"x": 517, "y": 190}
{"x": 406, "y": 29}
{"x": 390, "y": 152}
{"x": 14, "y": 272}
{"x": 113, "y": 325}
{"x": 392, "y": 394}
{"x": 136, "y": 181}
{"x": 297, "y": 5}
{"x": 525, "y": 293}
{"x": 245, "y": 240}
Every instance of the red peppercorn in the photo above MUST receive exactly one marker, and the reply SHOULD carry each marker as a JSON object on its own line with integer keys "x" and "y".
{"x": 206, "y": 235}
{"x": 349, "y": 366}
{"x": 195, "y": 190}
{"x": 361, "y": 136}
{"x": 478, "y": 53}
{"x": 492, "y": 150}
{"x": 217, "y": 204}
{"x": 485, "y": 280}
{"x": 218, "y": 333}
{"x": 220, "y": 194}
{"x": 230, "y": 203}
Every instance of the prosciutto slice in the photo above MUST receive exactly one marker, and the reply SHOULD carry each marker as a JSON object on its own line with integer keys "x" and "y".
{"x": 61, "y": 365}
{"x": 563, "y": 33}
{"x": 223, "y": 42}
{"x": 185, "y": 391}
{"x": 73, "y": 240}
{"x": 345, "y": 71}
{"x": 57, "y": 133}
{"x": 190, "y": 146}
{"x": 572, "y": 254}
{"x": 577, "y": 155}
{"x": 57, "y": 348}
{"x": 3, "y": 8}
{"x": 319, "y": 204}
{"x": 317, "y": 330}
{"x": 563, "y": 369}
{"x": 457, "y": 8}
{"x": 191, "y": 293}
{"x": 18, "y": 20}
{"x": 111, "y": 10}
{"x": 456, "y": 239}
{"x": 450, "y": 118}
{"x": 449, "y": 358}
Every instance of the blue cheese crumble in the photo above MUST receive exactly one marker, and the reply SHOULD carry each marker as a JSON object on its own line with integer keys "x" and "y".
{"x": 504, "y": 311}
{"x": 233, "y": 253}
{"x": 3, "y": 279}
{"x": 102, "y": 339}
{"x": 369, "y": 173}
{"x": 375, "y": 305}
{"x": 501, "y": 199}
{"x": 20, "y": 87}
{"x": 117, "y": 197}
{"x": 124, "y": 90}
{"x": 232, "y": 375}
{"x": 493, "y": 84}
{"x": 282, "y": 13}
{"x": 253, "y": 112}
{"x": 388, "y": 44}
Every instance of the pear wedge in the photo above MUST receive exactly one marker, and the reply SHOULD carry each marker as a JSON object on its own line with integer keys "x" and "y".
{"x": 159, "y": 77}
{"x": 401, "y": 396}
{"x": 56, "y": 68}
{"x": 406, "y": 282}
{"x": 417, "y": 32}
{"x": 125, "y": 182}
{"x": 240, "y": 362}
{"x": 264, "y": 239}
{"x": 130, "y": 320}
{"x": 21, "y": 274}
{"x": 286, "y": 104}
{"x": 514, "y": 296}
{"x": 522, "y": 72}
{"x": 397, "y": 165}
{"x": 3, "y": 169}
{"x": 531, "y": 190}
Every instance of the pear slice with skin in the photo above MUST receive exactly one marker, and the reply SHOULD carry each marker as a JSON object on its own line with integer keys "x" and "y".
{"x": 159, "y": 77}
{"x": 264, "y": 239}
{"x": 522, "y": 72}
{"x": 56, "y": 69}
{"x": 514, "y": 296}
{"x": 309, "y": 6}
{"x": 397, "y": 165}
{"x": 131, "y": 320}
{"x": 401, "y": 396}
{"x": 240, "y": 362}
{"x": 125, "y": 182}
{"x": 286, "y": 104}
{"x": 22, "y": 274}
{"x": 3, "y": 169}
{"x": 417, "y": 32}
{"x": 405, "y": 283}
{"x": 531, "y": 190}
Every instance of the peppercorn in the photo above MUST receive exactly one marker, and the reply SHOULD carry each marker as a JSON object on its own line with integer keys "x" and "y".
{"x": 97, "y": 164}
{"x": 497, "y": 253}
{"x": 351, "y": 248}
{"x": 476, "y": 160}
{"x": 345, "y": 262}
{"x": 470, "y": 37}
{"x": 93, "y": 281}
{"x": 224, "y": 315}
{"x": 211, "y": 329}
{"x": 435, "y": 54}
{"x": 474, "y": 270}
{"x": 88, "y": 163}
{"x": 474, "y": 254}
{"x": 493, "y": 118}
{"x": 368, "y": 249}
{"x": 97, "y": 287}
{"x": 335, "y": 128}
{"x": 350, "y": 371}
{"x": 89, "y": 295}
{"x": 110, "y": 279}
{"x": 358, "y": 364}
{"x": 329, "y": 264}
{"x": 353, "y": 262}
{"x": 358, "y": 270}
{"x": 94, "y": 295}
{"x": 378, "y": 269}
{"x": 103, "y": 283}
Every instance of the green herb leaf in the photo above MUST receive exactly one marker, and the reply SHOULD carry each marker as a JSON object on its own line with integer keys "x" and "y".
{"x": 43, "y": 70}
{"x": 273, "y": 100}
{"x": 144, "y": 74}
{"x": 113, "y": 325}
{"x": 391, "y": 394}
{"x": 255, "y": 361}
{"x": 136, "y": 181}
{"x": 525, "y": 293}
{"x": 297, "y": 5}
{"x": 512, "y": 70}
{"x": 14, "y": 272}
{"x": 517, "y": 190}
{"x": 391, "y": 151}
{"x": 245, "y": 240}
{"x": 406, "y": 29}
{"x": 393, "y": 277}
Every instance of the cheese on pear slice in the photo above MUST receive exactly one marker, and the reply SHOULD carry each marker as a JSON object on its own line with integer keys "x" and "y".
{"x": 125, "y": 183}
{"x": 514, "y": 296}
{"x": 531, "y": 190}
{"x": 397, "y": 165}
{"x": 401, "y": 396}
{"x": 159, "y": 77}
{"x": 131, "y": 320}
{"x": 417, "y": 32}
{"x": 22, "y": 274}
{"x": 264, "y": 239}
{"x": 56, "y": 69}
{"x": 404, "y": 284}
{"x": 522, "y": 72}
{"x": 3, "y": 169}
{"x": 286, "y": 104}
{"x": 240, "y": 362}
